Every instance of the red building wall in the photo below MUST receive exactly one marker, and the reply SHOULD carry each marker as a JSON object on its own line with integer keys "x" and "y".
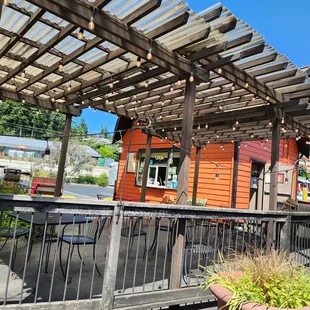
{"x": 217, "y": 193}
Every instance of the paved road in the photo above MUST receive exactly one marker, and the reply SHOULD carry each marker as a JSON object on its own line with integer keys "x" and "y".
{"x": 87, "y": 191}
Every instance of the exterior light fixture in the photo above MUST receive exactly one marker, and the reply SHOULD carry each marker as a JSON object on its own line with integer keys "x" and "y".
{"x": 163, "y": 130}
{"x": 47, "y": 150}
{"x": 60, "y": 66}
{"x": 179, "y": 83}
{"x": 237, "y": 122}
{"x": 111, "y": 85}
{"x": 267, "y": 98}
{"x": 23, "y": 74}
{"x": 146, "y": 85}
{"x": 252, "y": 135}
{"x": 253, "y": 99}
{"x": 234, "y": 128}
{"x": 23, "y": 100}
{"x": 175, "y": 128}
{"x": 81, "y": 34}
{"x": 138, "y": 63}
{"x": 282, "y": 120}
{"x": 233, "y": 87}
{"x": 270, "y": 123}
{"x": 91, "y": 24}
{"x": 246, "y": 85}
{"x": 69, "y": 87}
{"x": 217, "y": 174}
{"x": 53, "y": 99}
{"x": 149, "y": 55}
{"x": 198, "y": 127}
{"x": 206, "y": 126}
{"x": 220, "y": 71}
{"x": 191, "y": 78}
{"x": 171, "y": 89}
{"x": 296, "y": 130}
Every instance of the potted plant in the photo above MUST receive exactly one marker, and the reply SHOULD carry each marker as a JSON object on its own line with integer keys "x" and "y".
{"x": 259, "y": 281}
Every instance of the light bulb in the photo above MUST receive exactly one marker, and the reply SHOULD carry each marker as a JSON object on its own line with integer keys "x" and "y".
{"x": 232, "y": 140}
{"x": 175, "y": 128}
{"x": 146, "y": 85}
{"x": 220, "y": 108}
{"x": 234, "y": 128}
{"x": 23, "y": 100}
{"x": 131, "y": 118}
{"x": 282, "y": 120}
{"x": 111, "y": 85}
{"x": 57, "y": 110}
{"x": 162, "y": 103}
{"x": 109, "y": 110}
{"x": 245, "y": 144}
{"x": 191, "y": 78}
{"x": 179, "y": 83}
{"x": 296, "y": 130}
{"x": 267, "y": 98}
{"x": 149, "y": 55}
{"x": 207, "y": 126}
{"x": 89, "y": 106}
{"x": 285, "y": 144}
{"x": 217, "y": 135}
{"x": 81, "y": 34}
{"x": 219, "y": 70}
{"x": 138, "y": 63}
{"x": 69, "y": 87}
{"x": 91, "y": 24}
{"x": 217, "y": 176}
{"x": 267, "y": 140}
{"x": 237, "y": 122}
{"x": 94, "y": 109}
{"x": 23, "y": 74}
{"x": 233, "y": 87}
{"x": 6, "y": 2}
{"x": 270, "y": 123}
{"x": 171, "y": 89}
{"x": 198, "y": 127}
{"x": 246, "y": 85}
{"x": 163, "y": 130}
{"x": 253, "y": 99}
{"x": 252, "y": 136}
{"x": 53, "y": 99}
{"x": 208, "y": 141}
{"x": 60, "y": 66}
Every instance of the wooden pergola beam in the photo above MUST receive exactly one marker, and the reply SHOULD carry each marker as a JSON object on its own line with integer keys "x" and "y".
{"x": 41, "y": 103}
{"x": 118, "y": 33}
{"x": 130, "y": 19}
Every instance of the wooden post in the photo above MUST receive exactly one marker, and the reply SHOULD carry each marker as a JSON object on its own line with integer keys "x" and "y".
{"x": 285, "y": 235}
{"x": 110, "y": 272}
{"x": 196, "y": 174}
{"x": 182, "y": 191}
{"x": 1, "y": 5}
{"x": 62, "y": 157}
{"x": 146, "y": 167}
{"x": 274, "y": 167}
{"x": 235, "y": 175}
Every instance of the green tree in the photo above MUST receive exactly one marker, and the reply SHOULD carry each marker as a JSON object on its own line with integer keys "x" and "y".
{"x": 80, "y": 130}
{"x": 104, "y": 132}
{"x": 24, "y": 120}
{"x": 108, "y": 151}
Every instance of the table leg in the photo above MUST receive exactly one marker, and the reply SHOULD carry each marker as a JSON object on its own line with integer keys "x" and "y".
{"x": 48, "y": 247}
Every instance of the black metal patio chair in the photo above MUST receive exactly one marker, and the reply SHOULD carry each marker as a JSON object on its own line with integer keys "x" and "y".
{"x": 8, "y": 231}
{"x": 88, "y": 235}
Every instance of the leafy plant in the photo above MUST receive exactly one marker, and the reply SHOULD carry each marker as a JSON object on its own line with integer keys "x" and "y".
{"x": 102, "y": 180}
{"x": 269, "y": 279}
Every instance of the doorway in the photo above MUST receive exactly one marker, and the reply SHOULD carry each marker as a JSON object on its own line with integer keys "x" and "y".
{"x": 257, "y": 182}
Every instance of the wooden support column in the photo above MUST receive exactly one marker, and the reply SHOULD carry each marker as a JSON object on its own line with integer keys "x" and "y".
{"x": 183, "y": 177}
{"x": 274, "y": 167}
{"x": 146, "y": 167}
{"x": 1, "y": 5}
{"x": 62, "y": 157}
{"x": 196, "y": 174}
{"x": 235, "y": 175}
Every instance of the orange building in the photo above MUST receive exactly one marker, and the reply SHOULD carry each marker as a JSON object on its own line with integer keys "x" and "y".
{"x": 219, "y": 165}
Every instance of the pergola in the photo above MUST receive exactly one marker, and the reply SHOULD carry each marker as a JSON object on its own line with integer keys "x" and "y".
{"x": 206, "y": 77}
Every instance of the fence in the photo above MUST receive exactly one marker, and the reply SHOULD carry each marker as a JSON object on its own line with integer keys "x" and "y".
{"x": 103, "y": 254}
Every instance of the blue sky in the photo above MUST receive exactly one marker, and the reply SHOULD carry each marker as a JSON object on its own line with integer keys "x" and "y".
{"x": 283, "y": 23}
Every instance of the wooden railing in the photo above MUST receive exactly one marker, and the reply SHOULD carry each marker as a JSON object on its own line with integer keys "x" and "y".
{"x": 132, "y": 245}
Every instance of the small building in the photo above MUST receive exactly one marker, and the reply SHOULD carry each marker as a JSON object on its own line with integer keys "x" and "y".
{"x": 230, "y": 175}
{"x": 31, "y": 148}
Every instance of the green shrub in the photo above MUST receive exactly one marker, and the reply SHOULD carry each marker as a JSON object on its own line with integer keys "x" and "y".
{"x": 82, "y": 179}
{"x": 269, "y": 279}
{"x": 102, "y": 180}
{"x": 44, "y": 174}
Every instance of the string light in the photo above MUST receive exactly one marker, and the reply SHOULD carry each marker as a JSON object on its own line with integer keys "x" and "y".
{"x": 6, "y": 2}
{"x": 81, "y": 34}
{"x": 237, "y": 122}
{"x": 282, "y": 120}
{"x": 208, "y": 141}
{"x": 253, "y": 99}
{"x": 69, "y": 87}
{"x": 57, "y": 109}
{"x": 220, "y": 71}
{"x": 198, "y": 127}
{"x": 23, "y": 74}
{"x": 233, "y": 87}
{"x": 232, "y": 141}
{"x": 82, "y": 101}
{"x": 246, "y": 85}
{"x": 220, "y": 108}
{"x": 175, "y": 128}
{"x": 262, "y": 142}
{"x": 109, "y": 111}
{"x": 286, "y": 144}
{"x": 111, "y": 85}
{"x": 91, "y": 24}
{"x": 53, "y": 99}
{"x": 146, "y": 85}
{"x": 23, "y": 100}
{"x": 245, "y": 144}
{"x": 162, "y": 103}
{"x": 60, "y": 66}
{"x": 296, "y": 130}
{"x": 233, "y": 127}
{"x": 252, "y": 135}
{"x": 179, "y": 83}
{"x": 149, "y": 55}
{"x": 171, "y": 89}
{"x": 95, "y": 109}
{"x": 267, "y": 98}
{"x": 163, "y": 130}
{"x": 191, "y": 78}
{"x": 270, "y": 123}
{"x": 138, "y": 63}
{"x": 89, "y": 106}
{"x": 217, "y": 135}
{"x": 206, "y": 126}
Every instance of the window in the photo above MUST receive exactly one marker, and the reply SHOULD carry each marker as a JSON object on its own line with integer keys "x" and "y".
{"x": 163, "y": 168}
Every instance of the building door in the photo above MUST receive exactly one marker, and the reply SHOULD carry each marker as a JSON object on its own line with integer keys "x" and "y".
{"x": 257, "y": 182}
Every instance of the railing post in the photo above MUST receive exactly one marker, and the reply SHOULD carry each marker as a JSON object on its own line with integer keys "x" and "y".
{"x": 110, "y": 272}
{"x": 285, "y": 235}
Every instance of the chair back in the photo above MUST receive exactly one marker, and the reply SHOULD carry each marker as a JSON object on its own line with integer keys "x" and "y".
{"x": 95, "y": 228}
